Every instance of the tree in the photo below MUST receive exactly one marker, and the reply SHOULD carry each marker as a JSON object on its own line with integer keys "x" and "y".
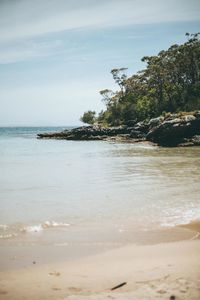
{"x": 89, "y": 117}
{"x": 106, "y": 96}
{"x": 119, "y": 76}
{"x": 170, "y": 82}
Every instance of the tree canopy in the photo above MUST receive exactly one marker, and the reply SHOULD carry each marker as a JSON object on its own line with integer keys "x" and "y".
{"x": 170, "y": 82}
{"x": 88, "y": 117}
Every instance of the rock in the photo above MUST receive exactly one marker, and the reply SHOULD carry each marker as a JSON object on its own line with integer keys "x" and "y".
{"x": 136, "y": 134}
{"x": 173, "y": 131}
{"x": 142, "y": 127}
{"x": 87, "y": 133}
{"x": 155, "y": 122}
{"x": 193, "y": 141}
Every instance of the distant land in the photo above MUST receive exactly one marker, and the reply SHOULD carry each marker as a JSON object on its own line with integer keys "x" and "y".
{"x": 160, "y": 103}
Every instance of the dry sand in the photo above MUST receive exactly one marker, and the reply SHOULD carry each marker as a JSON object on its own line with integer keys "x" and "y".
{"x": 150, "y": 271}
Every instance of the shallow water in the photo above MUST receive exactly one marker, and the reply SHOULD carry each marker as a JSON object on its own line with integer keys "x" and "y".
{"x": 71, "y": 191}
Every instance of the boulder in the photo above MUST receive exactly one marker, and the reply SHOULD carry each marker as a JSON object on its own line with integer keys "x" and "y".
{"x": 174, "y": 130}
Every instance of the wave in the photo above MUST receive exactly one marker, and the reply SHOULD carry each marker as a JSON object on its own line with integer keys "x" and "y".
{"x": 11, "y": 231}
{"x": 45, "y": 225}
{"x": 176, "y": 217}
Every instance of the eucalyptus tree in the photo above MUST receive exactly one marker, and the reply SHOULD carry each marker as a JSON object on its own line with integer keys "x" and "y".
{"x": 170, "y": 82}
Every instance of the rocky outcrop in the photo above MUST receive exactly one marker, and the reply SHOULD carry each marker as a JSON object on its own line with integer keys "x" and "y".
{"x": 171, "y": 130}
{"x": 94, "y": 133}
{"x": 175, "y": 129}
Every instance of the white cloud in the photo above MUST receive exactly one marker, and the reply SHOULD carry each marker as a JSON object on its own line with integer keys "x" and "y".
{"x": 26, "y": 18}
{"x": 25, "y": 28}
{"x": 29, "y": 50}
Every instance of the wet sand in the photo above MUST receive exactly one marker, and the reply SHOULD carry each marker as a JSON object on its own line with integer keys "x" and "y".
{"x": 193, "y": 226}
{"x": 157, "y": 271}
{"x": 54, "y": 246}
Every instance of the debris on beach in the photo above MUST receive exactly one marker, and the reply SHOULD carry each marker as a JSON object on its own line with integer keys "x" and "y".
{"x": 118, "y": 286}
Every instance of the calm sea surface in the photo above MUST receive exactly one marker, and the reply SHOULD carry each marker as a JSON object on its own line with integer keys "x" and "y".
{"x": 59, "y": 188}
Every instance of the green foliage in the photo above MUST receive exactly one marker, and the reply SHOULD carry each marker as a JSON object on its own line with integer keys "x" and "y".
{"x": 169, "y": 83}
{"x": 88, "y": 117}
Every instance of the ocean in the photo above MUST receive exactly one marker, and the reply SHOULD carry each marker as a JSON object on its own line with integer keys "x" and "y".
{"x": 57, "y": 192}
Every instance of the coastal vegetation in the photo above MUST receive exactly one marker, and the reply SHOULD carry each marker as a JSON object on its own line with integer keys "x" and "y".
{"x": 89, "y": 117}
{"x": 169, "y": 83}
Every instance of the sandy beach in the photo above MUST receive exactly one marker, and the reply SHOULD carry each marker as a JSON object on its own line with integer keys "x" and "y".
{"x": 158, "y": 271}
{"x": 99, "y": 150}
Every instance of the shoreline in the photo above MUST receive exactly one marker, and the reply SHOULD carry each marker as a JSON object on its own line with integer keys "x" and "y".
{"x": 158, "y": 270}
{"x": 193, "y": 226}
{"x": 172, "y": 130}
{"x": 57, "y": 245}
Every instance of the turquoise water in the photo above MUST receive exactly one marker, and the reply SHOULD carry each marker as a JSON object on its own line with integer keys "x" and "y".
{"x": 78, "y": 185}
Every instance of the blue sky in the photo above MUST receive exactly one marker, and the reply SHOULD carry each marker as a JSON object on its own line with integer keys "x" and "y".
{"x": 55, "y": 55}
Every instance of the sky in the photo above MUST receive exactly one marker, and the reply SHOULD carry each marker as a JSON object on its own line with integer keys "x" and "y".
{"x": 56, "y": 55}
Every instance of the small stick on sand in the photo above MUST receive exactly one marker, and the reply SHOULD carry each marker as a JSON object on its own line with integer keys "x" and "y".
{"x": 118, "y": 286}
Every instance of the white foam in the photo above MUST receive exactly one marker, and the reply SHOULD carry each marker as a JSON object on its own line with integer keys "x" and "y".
{"x": 3, "y": 226}
{"x": 174, "y": 217}
{"x": 167, "y": 224}
{"x": 50, "y": 224}
{"x": 8, "y": 236}
{"x": 45, "y": 225}
{"x": 33, "y": 228}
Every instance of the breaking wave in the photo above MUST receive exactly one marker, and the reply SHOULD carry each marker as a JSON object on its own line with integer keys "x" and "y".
{"x": 11, "y": 231}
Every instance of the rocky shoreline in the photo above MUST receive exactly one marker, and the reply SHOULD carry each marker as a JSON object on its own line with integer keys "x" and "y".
{"x": 171, "y": 130}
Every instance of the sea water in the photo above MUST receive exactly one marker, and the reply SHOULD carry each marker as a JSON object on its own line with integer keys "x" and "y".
{"x": 72, "y": 191}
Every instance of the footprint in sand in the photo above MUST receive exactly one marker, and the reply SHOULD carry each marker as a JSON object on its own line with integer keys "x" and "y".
{"x": 161, "y": 292}
{"x": 54, "y": 273}
{"x": 56, "y": 289}
{"x": 74, "y": 289}
{"x": 2, "y": 292}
